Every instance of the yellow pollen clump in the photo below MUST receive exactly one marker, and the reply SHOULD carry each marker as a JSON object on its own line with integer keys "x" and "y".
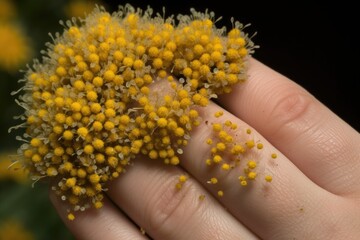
{"x": 35, "y": 142}
{"x": 70, "y": 182}
{"x": 217, "y": 127}
{"x": 162, "y": 122}
{"x": 243, "y": 183}
{"x": 213, "y": 180}
{"x": 116, "y": 86}
{"x": 68, "y": 135}
{"x": 250, "y": 143}
{"x": 182, "y": 179}
{"x": 268, "y": 178}
{"x": 82, "y": 131}
{"x": 225, "y": 166}
{"x": 98, "y": 144}
{"x": 51, "y": 171}
{"x": 252, "y": 175}
{"x": 259, "y": 146}
{"x": 221, "y": 146}
{"x": 251, "y": 164}
{"x": 71, "y": 216}
{"x": 217, "y": 159}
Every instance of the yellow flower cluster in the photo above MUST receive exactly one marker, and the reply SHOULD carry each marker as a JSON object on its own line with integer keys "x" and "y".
{"x": 115, "y": 86}
{"x": 14, "y": 230}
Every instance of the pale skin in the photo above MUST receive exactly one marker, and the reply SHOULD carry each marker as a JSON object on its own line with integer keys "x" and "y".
{"x": 315, "y": 192}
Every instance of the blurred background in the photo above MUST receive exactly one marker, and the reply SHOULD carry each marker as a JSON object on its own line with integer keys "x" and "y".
{"x": 314, "y": 45}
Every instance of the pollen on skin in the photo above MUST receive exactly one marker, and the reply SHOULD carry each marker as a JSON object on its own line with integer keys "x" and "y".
{"x": 268, "y": 178}
{"x": 92, "y": 97}
{"x": 183, "y": 178}
{"x": 226, "y": 148}
{"x": 213, "y": 180}
{"x": 71, "y": 216}
{"x": 202, "y": 197}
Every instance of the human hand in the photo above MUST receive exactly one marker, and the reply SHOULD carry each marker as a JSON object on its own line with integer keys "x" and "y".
{"x": 315, "y": 192}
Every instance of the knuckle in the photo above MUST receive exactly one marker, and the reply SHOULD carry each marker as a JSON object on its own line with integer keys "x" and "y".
{"x": 290, "y": 109}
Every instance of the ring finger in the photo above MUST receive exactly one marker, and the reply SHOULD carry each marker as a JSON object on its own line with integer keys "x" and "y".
{"x": 150, "y": 194}
{"x": 269, "y": 209}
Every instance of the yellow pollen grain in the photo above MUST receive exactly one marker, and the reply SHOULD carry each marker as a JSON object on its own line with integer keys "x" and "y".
{"x": 252, "y": 175}
{"x": 268, "y": 178}
{"x": 243, "y": 183}
{"x": 217, "y": 127}
{"x": 217, "y": 159}
{"x": 71, "y": 217}
{"x": 250, "y": 143}
{"x": 220, "y": 146}
{"x": 251, "y": 164}
{"x": 68, "y": 135}
{"x": 202, "y": 197}
{"x": 91, "y": 96}
{"x": 225, "y": 166}
{"x": 260, "y": 146}
{"x": 98, "y": 144}
{"x": 213, "y": 180}
{"x": 183, "y": 178}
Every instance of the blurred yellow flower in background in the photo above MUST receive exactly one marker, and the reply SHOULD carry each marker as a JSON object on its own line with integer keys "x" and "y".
{"x": 15, "y": 48}
{"x": 14, "y": 172}
{"x": 14, "y": 230}
{"x": 7, "y": 10}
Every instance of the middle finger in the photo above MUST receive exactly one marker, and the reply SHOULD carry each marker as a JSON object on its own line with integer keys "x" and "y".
{"x": 267, "y": 208}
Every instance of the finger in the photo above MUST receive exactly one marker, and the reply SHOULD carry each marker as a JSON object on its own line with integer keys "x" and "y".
{"x": 269, "y": 209}
{"x": 106, "y": 223}
{"x": 148, "y": 194}
{"x": 318, "y": 142}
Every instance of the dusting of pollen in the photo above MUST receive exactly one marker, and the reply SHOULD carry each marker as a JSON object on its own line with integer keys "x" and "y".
{"x": 90, "y": 109}
{"x": 182, "y": 179}
{"x": 228, "y": 152}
